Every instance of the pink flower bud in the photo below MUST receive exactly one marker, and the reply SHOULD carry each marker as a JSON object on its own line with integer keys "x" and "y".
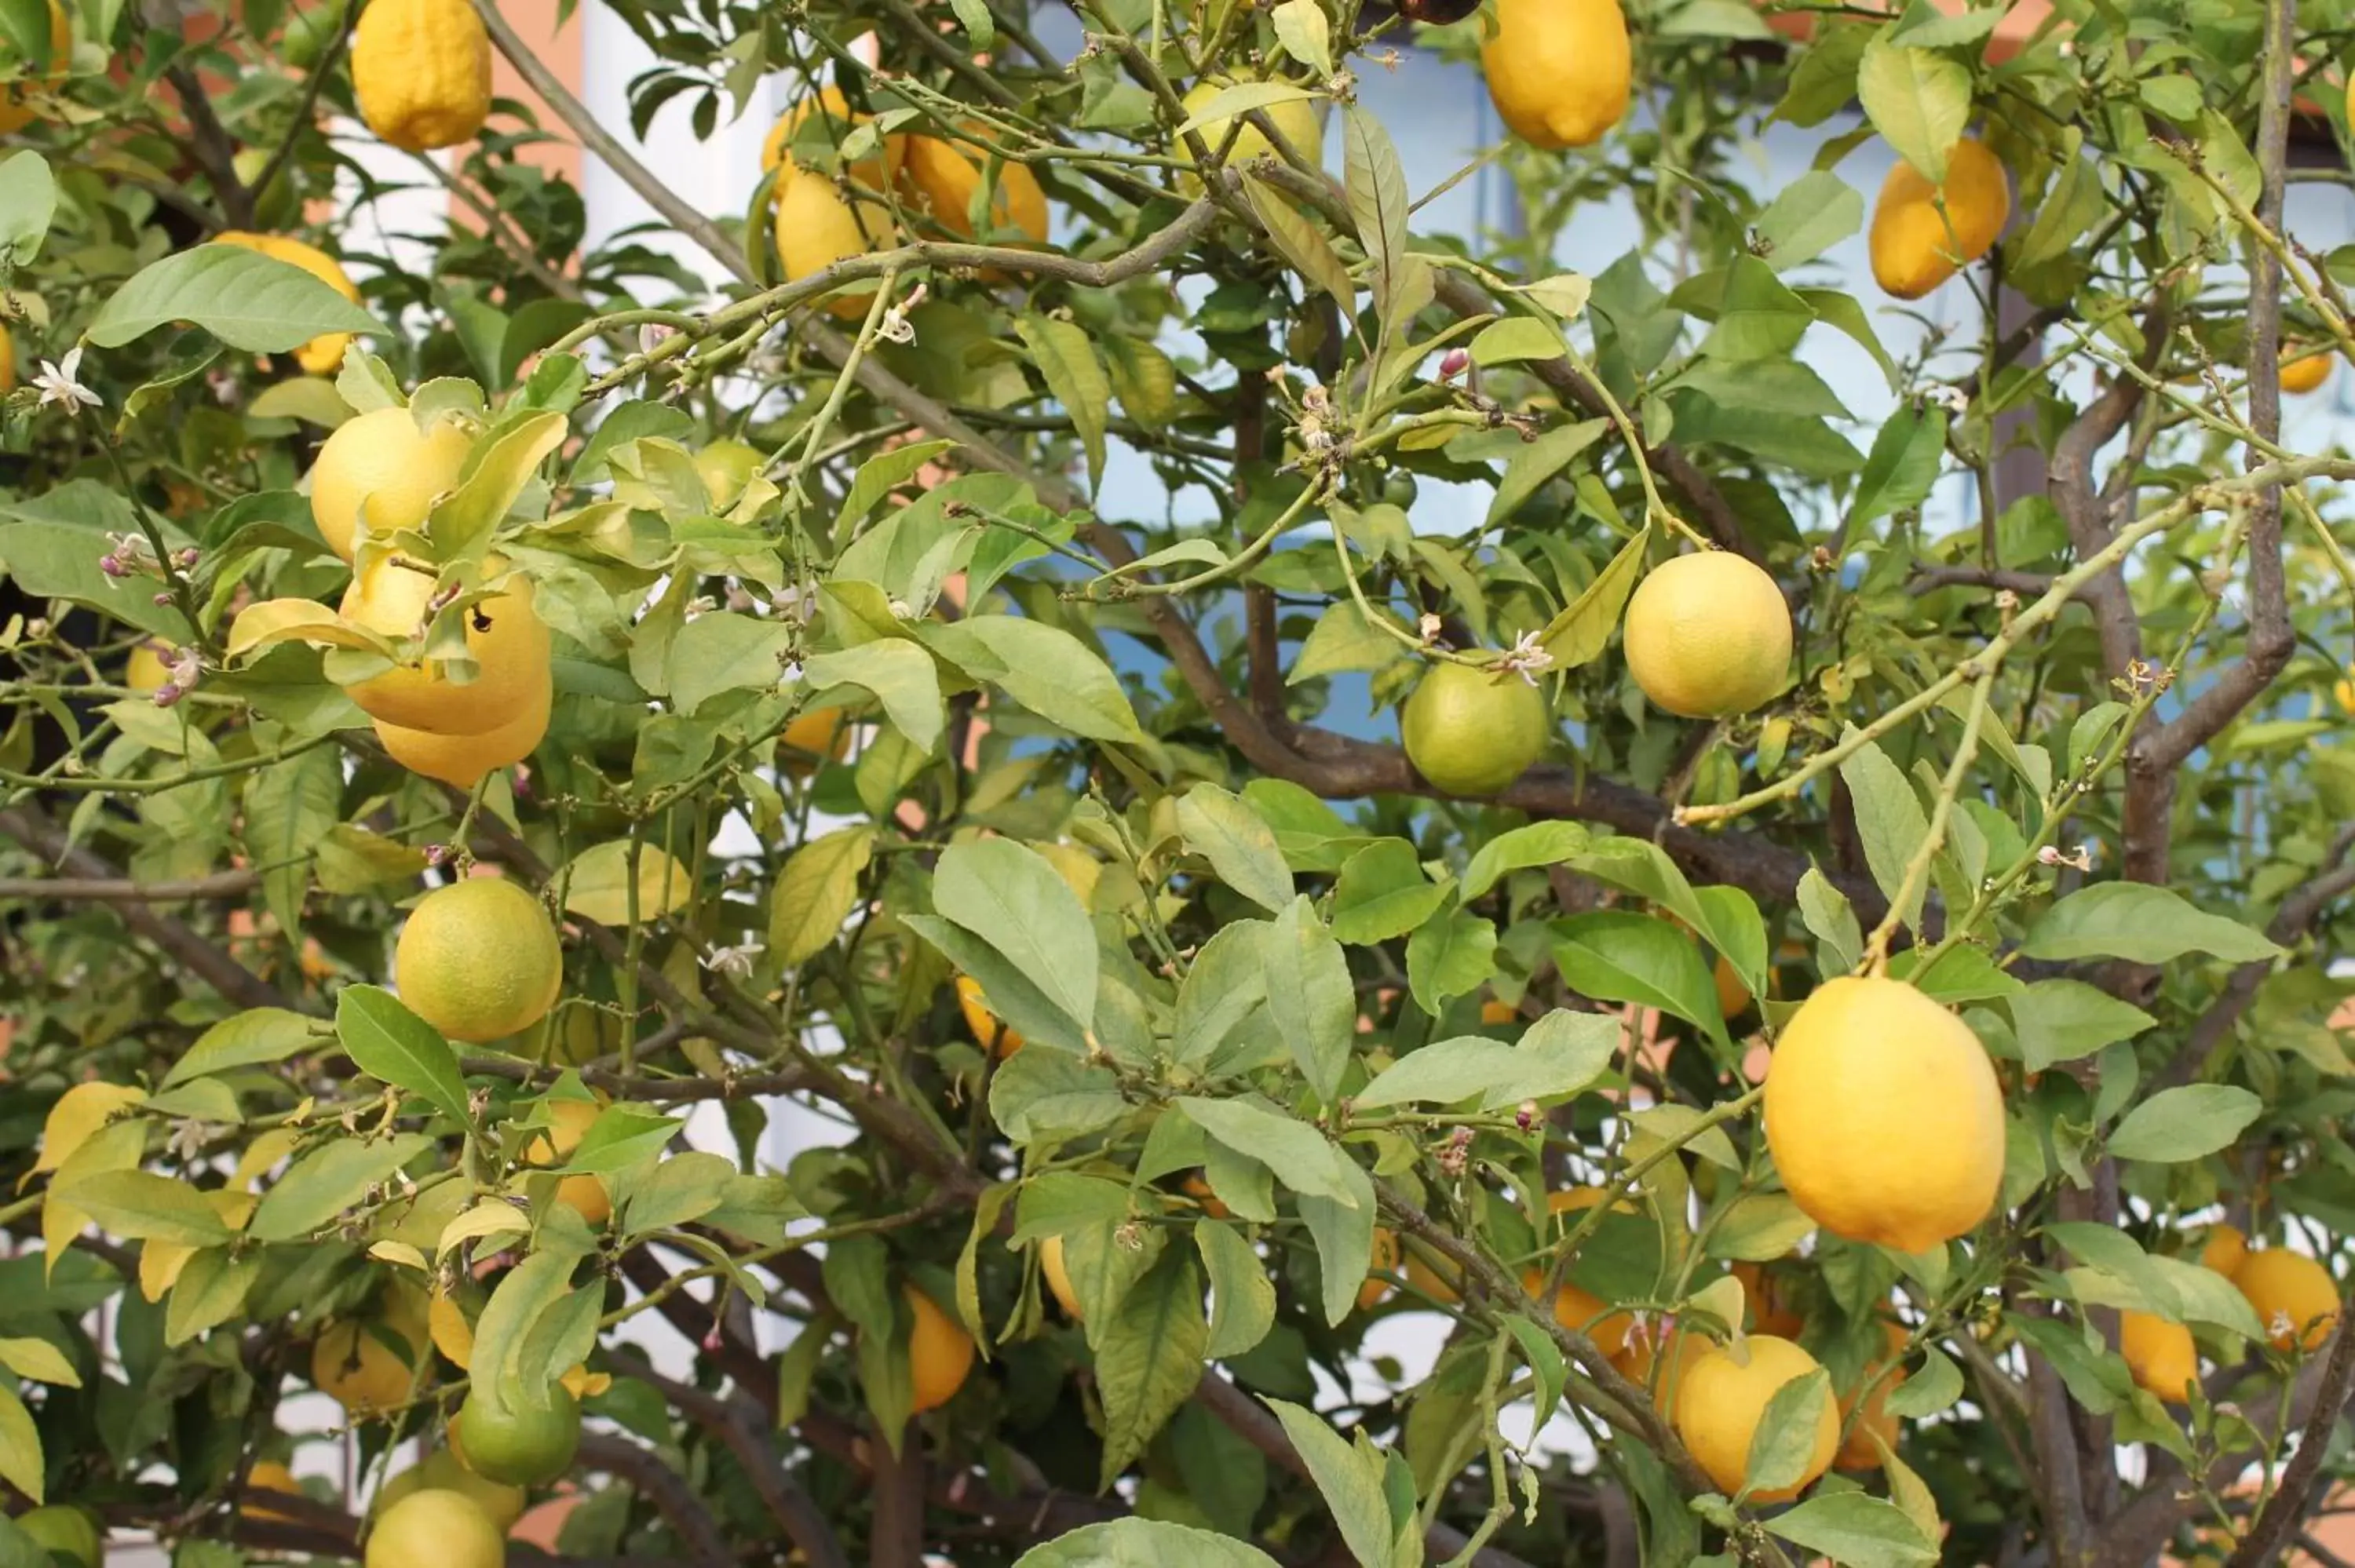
{"x": 1452, "y": 363}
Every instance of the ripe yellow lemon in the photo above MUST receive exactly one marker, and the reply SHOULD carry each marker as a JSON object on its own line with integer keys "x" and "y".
{"x": 266, "y": 1476}
{"x": 1913, "y": 249}
{"x": 462, "y": 759}
{"x": 441, "y": 1471}
{"x": 1857, "y": 1449}
{"x": 1583, "y": 1312}
{"x": 584, "y": 1194}
{"x": 515, "y": 1440}
{"x": 1059, "y": 1278}
{"x": 2224, "y": 1249}
{"x": 478, "y": 959}
{"x": 1770, "y": 1305}
{"x": 1723, "y": 1397}
{"x": 57, "y": 1527}
{"x": 1294, "y": 120}
{"x": 146, "y": 671}
{"x": 2303, "y": 369}
{"x": 1559, "y": 70}
{"x": 988, "y": 1032}
{"x": 382, "y": 459}
{"x": 431, "y": 1528}
{"x": 2296, "y": 1298}
{"x": 323, "y": 355}
{"x": 1642, "y": 1363}
{"x": 817, "y": 227}
{"x": 2161, "y": 1354}
{"x": 1708, "y": 635}
{"x": 15, "y": 113}
{"x": 946, "y": 176}
{"x": 940, "y": 1353}
{"x": 874, "y": 173}
{"x": 1471, "y": 732}
{"x": 421, "y": 70}
{"x": 818, "y": 733}
{"x": 354, "y": 1366}
{"x": 1379, "y": 1268}
{"x": 507, "y": 639}
{"x": 1883, "y": 1116}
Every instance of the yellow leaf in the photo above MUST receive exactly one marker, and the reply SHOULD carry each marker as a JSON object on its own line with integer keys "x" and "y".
{"x": 489, "y": 1218}
{"x": 275, "y": 621}
{"x": 264, "y": 1152}
{"x": 118, "y": 1146}
{"x": 597, "y": 885}
{"x": 400, "y": 1253}
{"x": 583, "y": 1383}
{"x": 80, "y": 1112}
{"x": 160, "y": 1263}
{"x": 20, "y": 1446}
{"x": 40, "y": 1361}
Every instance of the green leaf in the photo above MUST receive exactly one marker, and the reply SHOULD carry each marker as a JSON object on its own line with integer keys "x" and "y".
{"x": 1823, "y": 79}
{"x": 599, "y": 883}
{"x": 1018, "y": 1003}
{"x": 1306, "y": 35}
{"x": 1238, "y": 99}
{"x": 1538, "y": 843}
{"x": 2141, "y": 924}
{"x": 2063, "y": 1019}
{"x": 1144, "y": 1543}
{"x": 501, "y": 467}
{"x": 1297, "y": 1153}
{"x": 21, "y": 1464}
{"x": 1759, "y": 317}
{"x": 1843, "y": 312}
{"x": 1382, "y": 893}
{"x": 1067, "y": 358}
{"x": 1783, "y": 1442}
{"x": 1242, "y": 1296}
{"x": 1378, "y": 200}
{"x": 1537, "y": 462}
{"x": 2207, "y": 1296}
{"x": 531, "y": 1292}
{"x": 1558, "y": 1055}
{"x": 290, "y": 807}
{"x": 1759, "y": 1228}
{"x": 1309, "y": 995}
{"x": 621, "y": 1136}
{"x": 249, "y": 1039}
{"x": 1918, "y": 100}
{"x": 1829, "y": 916}
{"x": 1341, "y": 640}
{"x": 1350, "y": 1478}
{"x": 1342, "y": 1229}
{"x": 1888, "y": 820}
{"x": 1149, "y": 1358}
{"x": 1623, "y": 956}
{"x": 245, "y": 299}
{"x": 28, "y": 201}
{"x": 1241, "y": 848}
{"x": 1514, "y": 339}
{"x": 1224, "y": 985}
{"x": 1856, "y": 1530}
{"x": 879, "y": 476}
{"x": 899, "y": 675}
{"x": 2185, "y": 1123}
{"x": 1903, "y": 465}
{"x": 1933, "y": 1388}
{"x": 1815, "y": 212}
{"x": 142, "y": 1206}
{"x": 325, "y": 1182}
{"x": 50, "y": 545}
{"x": 677, "y": 1192}
{"x": 1451, "y": 954}
{"x": 1583, "y": 631}
{"x": 1298, "y": 240}
{"x": 816, "y": 891}
{"x": 392, "y": 1045}
{"x": 1047, "y": 670}
{"x": 1011, "y": 898}
{"x": 721, "y": 651}
{"x": 211, "y": 1289}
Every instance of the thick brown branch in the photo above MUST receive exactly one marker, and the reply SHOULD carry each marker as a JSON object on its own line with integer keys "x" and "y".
{"x": 30, "y": 827}
{"x": 123, "y": 890}
{"x": 2284, "y": 1511}
{"x": 665, "y": 1488}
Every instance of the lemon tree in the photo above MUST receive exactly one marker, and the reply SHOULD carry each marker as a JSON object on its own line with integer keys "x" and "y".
{"x": 1157, "y": 814}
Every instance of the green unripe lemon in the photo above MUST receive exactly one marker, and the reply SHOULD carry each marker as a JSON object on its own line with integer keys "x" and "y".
{"x": 514, "y": 1441}
{"x": 1472, "y": 732}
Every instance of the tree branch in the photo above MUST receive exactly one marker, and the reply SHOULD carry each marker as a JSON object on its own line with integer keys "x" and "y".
{"x": 2286, "y": 1509}
{"x": 123, "y": 890}
{"x": 29, "y": 826}
{"x": 668, "y": 1490}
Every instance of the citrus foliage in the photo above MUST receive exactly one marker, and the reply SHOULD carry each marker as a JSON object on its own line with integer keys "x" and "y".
{"x": 474, "y": 716}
